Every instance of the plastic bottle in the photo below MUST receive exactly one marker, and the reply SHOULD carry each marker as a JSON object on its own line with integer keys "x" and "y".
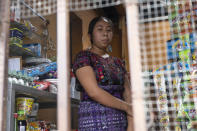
{"x": 14, "y": 77}
{"x": 20, "y": 78}
{"x": 10, "y": 77}
{"x": 15, "y": 122}
{"x": 22, "y": 125}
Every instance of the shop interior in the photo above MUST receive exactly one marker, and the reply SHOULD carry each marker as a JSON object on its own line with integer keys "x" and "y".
{"x": 168, "y": 58}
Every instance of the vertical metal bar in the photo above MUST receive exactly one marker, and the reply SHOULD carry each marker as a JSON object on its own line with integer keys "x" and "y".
{"x": 63, "y": 65}
{"x": 4, "y": 26}
{"x": 135, "y": 65}
{"x": 10, "y": 107}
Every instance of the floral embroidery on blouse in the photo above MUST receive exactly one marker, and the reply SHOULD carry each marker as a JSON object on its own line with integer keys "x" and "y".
{"x": 108, "y": 71}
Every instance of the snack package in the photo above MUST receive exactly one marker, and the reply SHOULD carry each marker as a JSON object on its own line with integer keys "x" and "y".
{"x": 34, "y": 47}
{"x": 24, "y": 106}
{"x": 41, "y": 85}
{"x": 15, "y": 32}
{"x": 40, "y": 69}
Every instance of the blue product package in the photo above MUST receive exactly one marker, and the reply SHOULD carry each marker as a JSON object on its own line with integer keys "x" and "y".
{"x": 34, "y": 47}
{"x": 40, "y": 69}
{"x": 15, "y": 32}
{"x": 171, "y": 49}
{"x": 192, "y": 39}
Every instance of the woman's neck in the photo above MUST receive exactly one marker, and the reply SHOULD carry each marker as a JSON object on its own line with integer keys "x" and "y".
{"x": 98, "y": 50}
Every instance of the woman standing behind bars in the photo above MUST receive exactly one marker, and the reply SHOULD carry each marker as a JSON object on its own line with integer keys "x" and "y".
{"x": 105, "y": 105}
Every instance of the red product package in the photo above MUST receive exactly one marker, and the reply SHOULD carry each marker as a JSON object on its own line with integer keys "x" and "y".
{"x": 41, "y": 85}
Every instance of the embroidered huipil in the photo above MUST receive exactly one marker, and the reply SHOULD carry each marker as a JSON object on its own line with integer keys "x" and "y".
{"x": 110, "y": 77}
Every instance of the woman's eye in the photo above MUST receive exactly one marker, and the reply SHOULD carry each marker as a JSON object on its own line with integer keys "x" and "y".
{"x": 108, "y": 29}
{"x": 99, "y": 29}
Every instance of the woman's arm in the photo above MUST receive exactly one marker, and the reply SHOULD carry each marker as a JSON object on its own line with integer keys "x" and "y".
{"x": 87, "y": 79}
{"x": 127, "y": 98}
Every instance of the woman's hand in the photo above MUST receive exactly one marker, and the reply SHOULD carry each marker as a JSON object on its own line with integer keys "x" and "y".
{"x": 130, "y": 128}
{"x": 98, "y": 94}
{"x": 130, "y": 123}
{"x": 129, "y": 110}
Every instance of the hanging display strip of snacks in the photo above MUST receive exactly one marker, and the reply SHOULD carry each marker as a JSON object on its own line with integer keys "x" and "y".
{"x": 168, "y": 48}
{"x": 182, "y": 94}
{"x": 182, "y": 17}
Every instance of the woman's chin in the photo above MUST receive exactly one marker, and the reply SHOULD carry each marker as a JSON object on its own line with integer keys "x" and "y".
{"x": 105, "y": 45}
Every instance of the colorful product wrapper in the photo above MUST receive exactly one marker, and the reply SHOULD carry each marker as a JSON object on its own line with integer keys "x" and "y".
{"x": 40, "y": 69}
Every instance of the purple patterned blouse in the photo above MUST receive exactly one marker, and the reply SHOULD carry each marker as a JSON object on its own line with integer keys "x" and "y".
{"x": 109, "y": 73}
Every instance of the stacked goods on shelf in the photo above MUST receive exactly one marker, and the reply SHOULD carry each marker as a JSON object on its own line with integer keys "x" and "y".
{"x": 41, "y": 126}
{"x": 33, "y": 66}
{"x": 26, "y": 115}
{"x": 19, "y": 78}
{"x": 20, "y": 30}
{"x": 44, "y": 70}
{"x": 24, "y": 108}
{"x": 40, "y": 69}
{"x": 16, "y": 36}
{"x": 32, "y": 74}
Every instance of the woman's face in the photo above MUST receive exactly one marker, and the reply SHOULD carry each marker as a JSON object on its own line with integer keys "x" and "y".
{"x": 102, "y": 34}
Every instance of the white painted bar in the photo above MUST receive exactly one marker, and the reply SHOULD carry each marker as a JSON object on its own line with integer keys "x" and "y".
{"x": 135, "y": 65}
{"x": 63, "y": 65}
{"x": 4, "y": 29}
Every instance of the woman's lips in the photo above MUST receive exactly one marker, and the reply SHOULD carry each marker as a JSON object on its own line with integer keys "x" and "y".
{"x": 106, "y": 40}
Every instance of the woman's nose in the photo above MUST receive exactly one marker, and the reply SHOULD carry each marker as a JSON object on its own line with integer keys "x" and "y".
{"x": 105, "y": 33}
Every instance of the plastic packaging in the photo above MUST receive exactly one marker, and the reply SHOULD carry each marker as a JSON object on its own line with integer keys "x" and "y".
{"x": 24, "y": 105}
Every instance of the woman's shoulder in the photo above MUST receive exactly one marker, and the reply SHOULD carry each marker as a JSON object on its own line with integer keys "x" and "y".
{"x": 117, "y": 59}
{"x": 81, "y": 59}
{"x": 83, "y": 53}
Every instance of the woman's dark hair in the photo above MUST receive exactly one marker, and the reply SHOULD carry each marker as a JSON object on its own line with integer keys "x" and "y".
{"x": 93, "y": 23}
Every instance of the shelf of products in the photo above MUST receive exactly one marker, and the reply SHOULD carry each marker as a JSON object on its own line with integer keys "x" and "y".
{"x": 27, "y": 32}
{"x": 44, "y": 98}
{"x": 33, "y": 71}
{"x": 41, "y": 96}
{"x": 23, "y": 102}
{"x": 17, "y": 32}
{"x": 16, "y": 50}
{"x": 16, "y": 90}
